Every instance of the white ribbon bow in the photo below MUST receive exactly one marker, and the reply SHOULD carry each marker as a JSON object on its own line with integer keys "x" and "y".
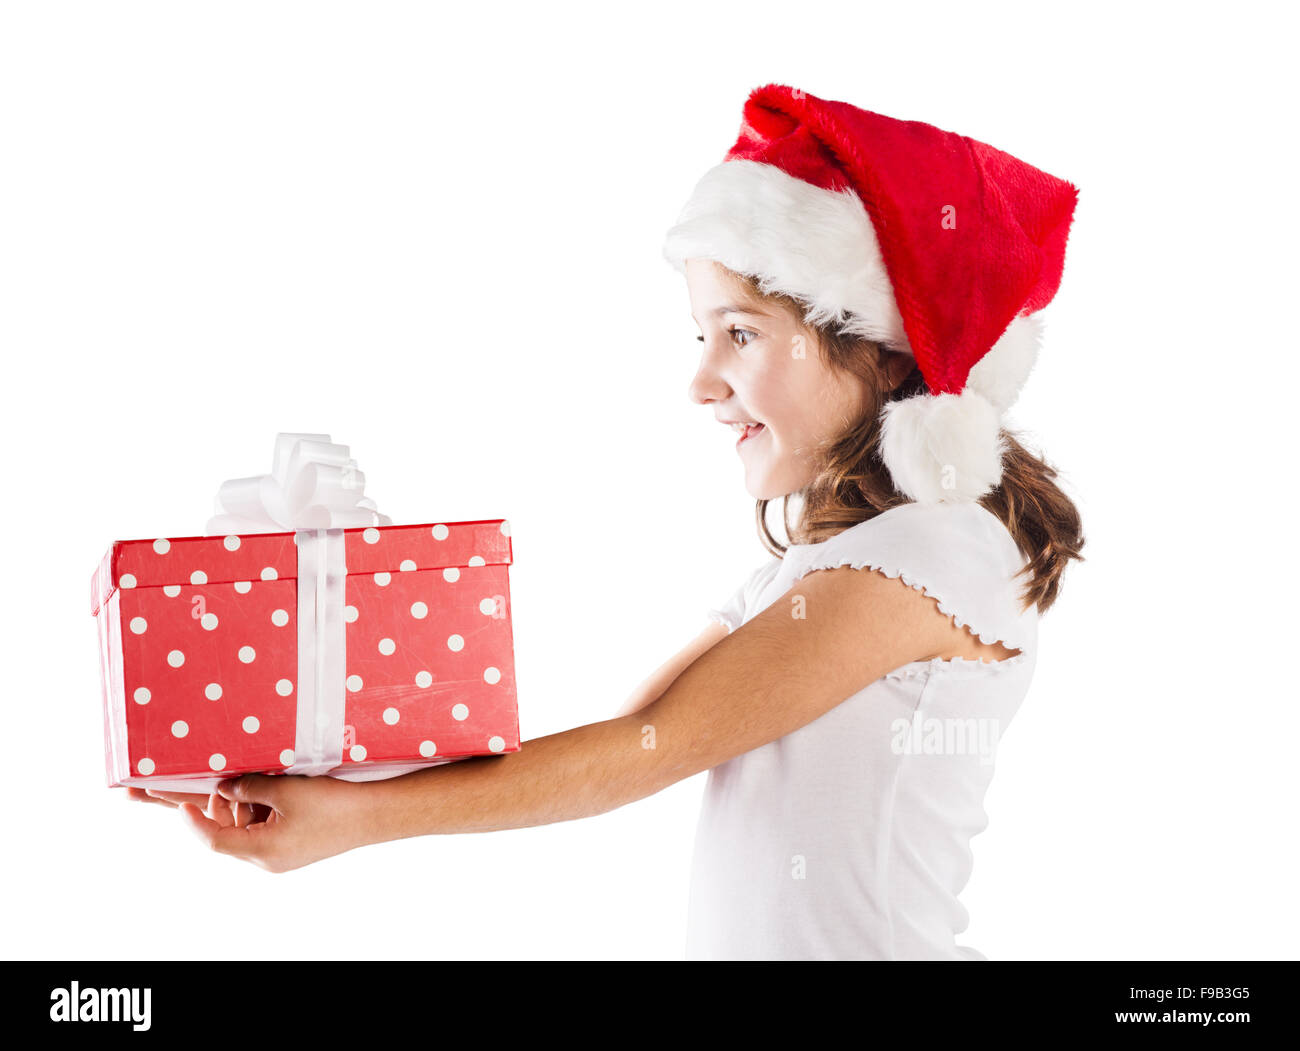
{"x": 313, "y": 484}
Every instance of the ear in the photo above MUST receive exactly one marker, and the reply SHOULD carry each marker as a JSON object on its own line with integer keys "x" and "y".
{"x": 895, "y": 366}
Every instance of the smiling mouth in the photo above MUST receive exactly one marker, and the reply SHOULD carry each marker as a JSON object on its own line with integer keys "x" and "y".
{"x": 751, "y": 431}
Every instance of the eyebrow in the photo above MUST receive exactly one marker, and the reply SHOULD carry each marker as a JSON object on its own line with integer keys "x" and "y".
{"x": 732, "y": 309}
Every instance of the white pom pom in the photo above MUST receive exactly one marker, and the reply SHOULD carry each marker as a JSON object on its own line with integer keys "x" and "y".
{"x": 1001, "y": 373}
{"x": 942, "y": 448}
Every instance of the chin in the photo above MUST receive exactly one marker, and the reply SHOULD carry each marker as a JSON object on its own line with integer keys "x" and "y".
{"x": 765, "y": 489}
{"x": 767, "y": 484}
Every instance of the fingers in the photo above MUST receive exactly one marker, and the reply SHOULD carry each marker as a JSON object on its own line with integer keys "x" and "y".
{"x": 219, "y": 811}
{"x": 176, "y": 798}
{"x": 243, "y": 843}
{"x": 141, "y": 796}
{"x": 253, "y": 788}
{"x": 167, "y": 799}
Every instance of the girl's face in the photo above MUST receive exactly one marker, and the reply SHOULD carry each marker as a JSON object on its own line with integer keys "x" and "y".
{"x": 762, "y": 367}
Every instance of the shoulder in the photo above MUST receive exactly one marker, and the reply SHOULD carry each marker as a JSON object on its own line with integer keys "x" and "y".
{"x": 801, "y": 655}
{"x": 843, "y": 624}
{"x": 959, "y": 554}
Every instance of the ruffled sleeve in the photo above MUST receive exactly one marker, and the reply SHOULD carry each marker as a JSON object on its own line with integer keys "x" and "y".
{"x": 959, "y": 554}
{"x": 733, "y": 611}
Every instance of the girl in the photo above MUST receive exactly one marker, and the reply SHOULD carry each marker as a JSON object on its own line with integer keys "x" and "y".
{"x": 865, "y": 290}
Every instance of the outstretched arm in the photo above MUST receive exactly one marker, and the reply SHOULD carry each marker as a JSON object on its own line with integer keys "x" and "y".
{"x": 837, "y": 631}
{"x": 226, "y": 812}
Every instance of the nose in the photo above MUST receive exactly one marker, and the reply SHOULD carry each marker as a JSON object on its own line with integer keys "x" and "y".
{"x": 707, "y": 384}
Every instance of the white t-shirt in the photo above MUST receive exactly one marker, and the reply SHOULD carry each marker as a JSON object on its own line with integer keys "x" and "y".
{"x": 850, "y": 837}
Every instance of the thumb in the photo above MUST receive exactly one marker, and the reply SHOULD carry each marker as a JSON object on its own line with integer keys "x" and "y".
{"x": 251, "y": 788}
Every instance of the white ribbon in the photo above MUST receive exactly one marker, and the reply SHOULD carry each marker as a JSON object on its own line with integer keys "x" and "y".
{"x": 313, "y": 484}
{"x": 316, "y": 490}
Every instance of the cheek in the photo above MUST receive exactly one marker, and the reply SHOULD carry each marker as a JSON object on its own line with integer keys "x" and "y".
{"x": 786, "y": 383}
{"x": 808, "y": 406}
{"x": 784, "y": 396}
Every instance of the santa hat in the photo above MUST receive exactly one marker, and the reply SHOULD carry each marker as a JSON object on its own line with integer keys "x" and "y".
{"x": 927, "y": 242}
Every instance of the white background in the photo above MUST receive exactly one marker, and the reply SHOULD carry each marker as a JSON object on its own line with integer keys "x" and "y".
{"x": 434, "y": 232}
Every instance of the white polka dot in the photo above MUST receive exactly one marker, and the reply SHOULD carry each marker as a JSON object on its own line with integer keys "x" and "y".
{"x": 232, "y": 543}
{"x": 357, "y": 752}
{"x": 354, "y": 683}
{"x": 251, "y": 724}
{"x": 419, "y": 610}
{"x": 198, "y": 577}
{"x": 350, "y": 614}
{"x": 217, "y": 761}
{"x": 407, "y": 565}
{"x": 387, "y": 647}
{"x": 175, "y": 658}
{"x": 391, "y": 715}
{"x": 162, "y": 546}
{"x": 477, "y": 560}
{"x": 127, "y": 581}
{"x": 451, "y": 574}
{"x": 492, "y": 675}
{"x": 487, "y": 606}
{"x": 284, "y": 687}
{"x": 209, "y": 621}
{"x": 440, "y": 532}
{"x": 423, "y": 679}
{"x": 142, "y": 695}
{"x": 269, "y": 573}
{"x": 243, "y": 586}
{"x": 428, "y": 748}
{"x": 496, "y": 744}
{"x": 459, "y": 712}
{"x": 280, "y": 618}
{"x": 139, "y": 625}
{"x": 247, "y": 654}
{"x": 180, "y": 728}
{"x": 171, "y": 590}
{"x": 382, "y": 579}
{"x": 505, "y": 528}
{"x": 455, "y": 642}
{"x": 212, "y": 691}
{"x": 145, "y": 766}
{"x": 370, "y": 536}
{"x": 286, "y": 757}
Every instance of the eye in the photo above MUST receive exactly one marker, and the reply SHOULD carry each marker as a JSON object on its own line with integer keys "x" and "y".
{"x": 734, "y": 332}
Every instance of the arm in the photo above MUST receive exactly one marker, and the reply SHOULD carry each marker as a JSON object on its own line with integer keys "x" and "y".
{"x": 648, "y": 691}
{"x": 768, "y": 678}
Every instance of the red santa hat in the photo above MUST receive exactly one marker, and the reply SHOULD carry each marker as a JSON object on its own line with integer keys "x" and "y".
{"x": 927, "y": 242}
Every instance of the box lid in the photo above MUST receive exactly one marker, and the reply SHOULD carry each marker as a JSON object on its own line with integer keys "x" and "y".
{"x": 175, "y": 561}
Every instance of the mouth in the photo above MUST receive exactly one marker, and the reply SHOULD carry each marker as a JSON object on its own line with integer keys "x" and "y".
{"x": 747, "y": 431}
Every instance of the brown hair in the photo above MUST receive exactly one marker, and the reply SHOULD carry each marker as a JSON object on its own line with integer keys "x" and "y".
{"x": 853, "y": 484}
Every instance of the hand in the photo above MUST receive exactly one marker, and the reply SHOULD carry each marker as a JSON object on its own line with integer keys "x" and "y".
{"x": 276, "y": 822}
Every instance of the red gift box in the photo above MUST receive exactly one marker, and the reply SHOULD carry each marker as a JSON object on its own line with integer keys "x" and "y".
{"x": 203, "y": 641}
